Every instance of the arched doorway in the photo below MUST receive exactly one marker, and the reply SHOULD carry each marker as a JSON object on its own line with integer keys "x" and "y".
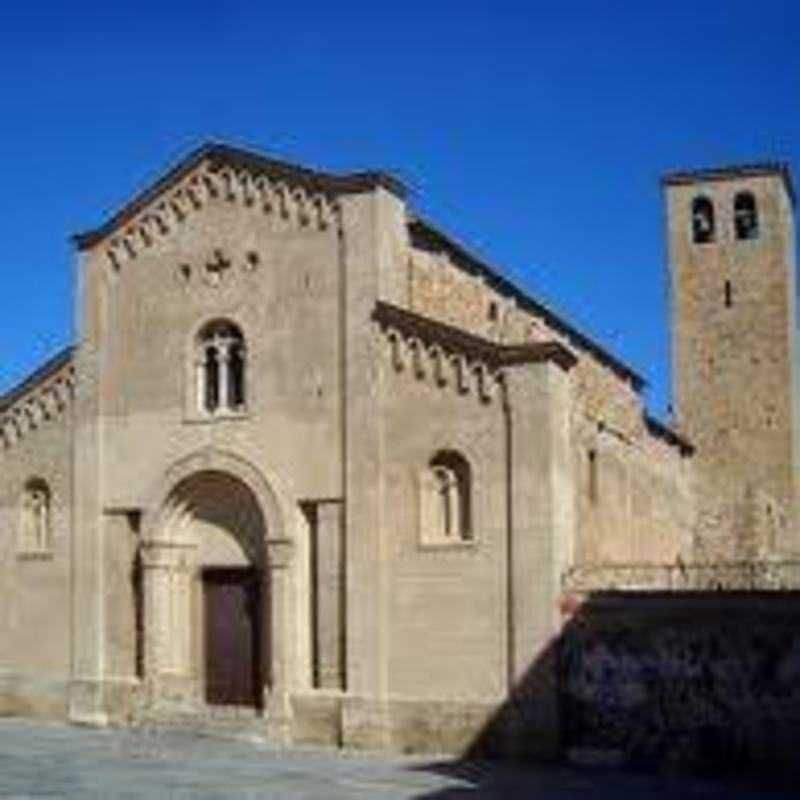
{"x": 208, "y": 594}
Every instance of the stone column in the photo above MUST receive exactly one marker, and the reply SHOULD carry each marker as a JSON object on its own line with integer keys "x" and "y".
{"x": 155, "y": 582}
{"x": 200, "y": 383}
{"x": 167, "y": 604}
{"x": 181, "y": 603}
{"x": 279, "y": 640}
{"x": 223, "y": 366}
{"x": 329, "y": 631}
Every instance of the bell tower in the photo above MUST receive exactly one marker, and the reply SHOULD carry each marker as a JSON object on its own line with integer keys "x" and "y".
{"x": 735, "y": 369}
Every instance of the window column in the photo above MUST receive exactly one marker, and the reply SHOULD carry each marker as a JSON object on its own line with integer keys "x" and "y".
{"x": 200, "y": 377}
{"x": 223, "y": 346}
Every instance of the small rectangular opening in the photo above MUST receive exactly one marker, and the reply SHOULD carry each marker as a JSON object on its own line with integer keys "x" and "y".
{"x": 593, "y": 493}
{"x": 728, "y": 294}
{"x": 137, "y": 585}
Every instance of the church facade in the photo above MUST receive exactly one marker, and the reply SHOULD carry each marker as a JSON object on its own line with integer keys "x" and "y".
{"x": 312, "y": 463}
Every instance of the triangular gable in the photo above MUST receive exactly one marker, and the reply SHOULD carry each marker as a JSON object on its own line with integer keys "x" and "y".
{"x": 301, "y": 196}
{"x": 220, "y": 168}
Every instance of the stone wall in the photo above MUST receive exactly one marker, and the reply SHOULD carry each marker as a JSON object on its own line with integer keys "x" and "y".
{"x": 470, "y": 604}
{"x": 697, "y": 678}
{"x": 216, "y": 247}
{"x": 640, "y": 507}
{"x": 35, "y": 578}
{"x": 447, "y": 598}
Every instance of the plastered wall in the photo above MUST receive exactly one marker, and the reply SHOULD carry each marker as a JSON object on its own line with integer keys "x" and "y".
{"x": 447, "y": 601}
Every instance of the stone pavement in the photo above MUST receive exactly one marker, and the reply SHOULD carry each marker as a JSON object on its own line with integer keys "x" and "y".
{"x": 39, "y": 760}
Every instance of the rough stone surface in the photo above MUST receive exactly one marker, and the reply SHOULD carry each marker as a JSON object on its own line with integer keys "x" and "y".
{"x": 643, "y": 484}
{"x": 735, "y": 363}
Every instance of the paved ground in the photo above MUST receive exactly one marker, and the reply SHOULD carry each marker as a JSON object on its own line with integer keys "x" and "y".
{"x": 56, "y": 761}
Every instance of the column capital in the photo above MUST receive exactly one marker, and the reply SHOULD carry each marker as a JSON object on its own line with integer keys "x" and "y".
{"x": 280, "y": 553}
{"x": 159, "y": 553}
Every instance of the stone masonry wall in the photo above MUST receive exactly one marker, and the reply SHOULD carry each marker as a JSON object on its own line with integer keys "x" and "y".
{"x": 639, "y": 508}
{"x": 733, "y": 309}
{"x": 34, "y": 584}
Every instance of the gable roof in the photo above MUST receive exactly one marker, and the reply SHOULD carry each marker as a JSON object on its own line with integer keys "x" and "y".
{"x": 223, "y": 154}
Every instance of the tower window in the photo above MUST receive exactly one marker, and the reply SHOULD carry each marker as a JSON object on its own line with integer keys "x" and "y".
{"x": 745, "y": 216}
{"x": 221, "y": 366}
{"x": 728, "y": 294}
{"x": 702, "y": 220}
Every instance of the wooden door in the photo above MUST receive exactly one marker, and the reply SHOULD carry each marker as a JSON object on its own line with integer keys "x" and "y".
{"x": 232, "y": 606}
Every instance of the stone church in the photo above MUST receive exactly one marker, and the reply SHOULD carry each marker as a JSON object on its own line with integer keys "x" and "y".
{"x": 312, "y": 464}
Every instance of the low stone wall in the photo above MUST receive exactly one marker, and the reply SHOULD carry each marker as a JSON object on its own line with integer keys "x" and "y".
{"x": 697, "y": 677}
{"x": 772, "y": 576}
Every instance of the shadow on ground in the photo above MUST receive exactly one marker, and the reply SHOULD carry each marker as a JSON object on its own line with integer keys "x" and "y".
{"x": 509, "y": 781}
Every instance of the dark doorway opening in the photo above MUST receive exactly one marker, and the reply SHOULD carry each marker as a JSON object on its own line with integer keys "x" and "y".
{"x": 232, "y": 599}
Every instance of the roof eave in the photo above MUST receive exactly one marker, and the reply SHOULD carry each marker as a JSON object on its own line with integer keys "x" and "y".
{"x": 779, "y": 169}
{"x": 503, "y": 285}
{"x": 657, "y": 428}
{"x": 496, "y": 354}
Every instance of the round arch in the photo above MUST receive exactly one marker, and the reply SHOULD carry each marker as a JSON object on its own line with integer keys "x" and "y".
{"x": 158, "y": 507}
{"x": 213, "y": 527}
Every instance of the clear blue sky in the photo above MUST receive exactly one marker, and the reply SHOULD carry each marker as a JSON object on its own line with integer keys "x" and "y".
{"x": 535, "y": 132}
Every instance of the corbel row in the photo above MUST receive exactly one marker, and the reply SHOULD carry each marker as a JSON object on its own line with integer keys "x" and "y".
{"x": 443, "y": 366}
{"x": 293, "y": 206}
{"x": 34, "y": 409}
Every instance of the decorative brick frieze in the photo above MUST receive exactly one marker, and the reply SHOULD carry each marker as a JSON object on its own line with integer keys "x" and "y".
{"x": 295, "y": 206}
{"x": 447, "y": 356}
{"x": 34, "y": 408}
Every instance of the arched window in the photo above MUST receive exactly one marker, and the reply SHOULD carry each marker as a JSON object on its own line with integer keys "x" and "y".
{"x": 34, "y": 529}
{"x": 446, "y": 510}
{"x": 221, "y": 368}
{"x": 702, "y": 220}
{"x": 745, "y": 216}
